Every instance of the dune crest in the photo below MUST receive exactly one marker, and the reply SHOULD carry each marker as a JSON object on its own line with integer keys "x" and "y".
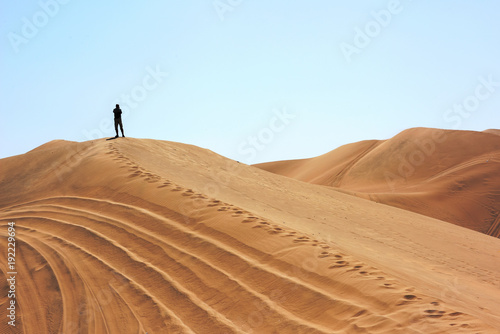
{"x": 136, "y": 236}
{"x": 445, "y": 174}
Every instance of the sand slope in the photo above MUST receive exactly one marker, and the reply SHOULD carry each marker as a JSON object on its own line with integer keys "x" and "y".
{"x": 449, "y": 175}
{"x": 136, "y": 236}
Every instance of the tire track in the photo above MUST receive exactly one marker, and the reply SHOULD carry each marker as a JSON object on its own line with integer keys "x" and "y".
{"x": 201, "y": 255}
{"x": 190, "y": 263}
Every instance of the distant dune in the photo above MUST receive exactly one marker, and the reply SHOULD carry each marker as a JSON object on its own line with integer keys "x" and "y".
{"x": 144, "y": 236}
{"x": 449, "y": 175}
{"x": 493, "y": 131}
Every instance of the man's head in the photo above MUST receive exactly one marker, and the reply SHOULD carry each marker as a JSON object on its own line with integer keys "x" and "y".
{"x": 118, "y": 106}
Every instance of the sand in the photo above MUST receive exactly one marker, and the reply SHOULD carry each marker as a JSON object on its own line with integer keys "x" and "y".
{"x": 143, "y": 236}
{"x": 450, "y": 175}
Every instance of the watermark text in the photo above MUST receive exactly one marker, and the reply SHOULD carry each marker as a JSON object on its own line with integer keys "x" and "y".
{"x": 11, "y": 273}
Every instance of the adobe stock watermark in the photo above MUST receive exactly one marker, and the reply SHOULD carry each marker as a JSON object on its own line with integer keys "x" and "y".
{"x": 222, "y": 7}
{"x": 280, "y": 297}
{"x": 451, "y": 290}
{"x": 425, "y": 148}
{"x": 103, "y": 297}
{"x": 72, "y": 160}
{"x": 153, "y": 78}
{"x": 250, "y": 147}
{"x": 31, "y": 26}
{"x": 408, "y": 163}
{"x": 151, "y": 81}
{"x": 371, "y": 30}
{"x": 253, "y": 144}
{"x": 471, "y": 103}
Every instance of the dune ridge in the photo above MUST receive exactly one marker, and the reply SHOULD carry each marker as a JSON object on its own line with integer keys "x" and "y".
{"x": 450, "y": 175}
{"x": 136, "y": 236}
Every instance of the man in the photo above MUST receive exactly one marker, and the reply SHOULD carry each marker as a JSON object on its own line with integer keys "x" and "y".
{"x": 118, "y": 120}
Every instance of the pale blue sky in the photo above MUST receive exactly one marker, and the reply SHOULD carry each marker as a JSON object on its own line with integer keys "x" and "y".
{"x": 217, "y": 73}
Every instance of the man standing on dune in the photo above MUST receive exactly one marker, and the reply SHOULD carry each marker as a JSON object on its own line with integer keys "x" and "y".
{"x": 118, "y": 120}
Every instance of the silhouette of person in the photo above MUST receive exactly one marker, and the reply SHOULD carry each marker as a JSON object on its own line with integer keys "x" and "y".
{"x": 118, "y": 120}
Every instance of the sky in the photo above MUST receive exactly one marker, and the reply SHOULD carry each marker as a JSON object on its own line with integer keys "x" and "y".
{"x": 254, "y": 81}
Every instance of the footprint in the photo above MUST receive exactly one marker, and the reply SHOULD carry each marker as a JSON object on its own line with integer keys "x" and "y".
{"x": 410, "y": 297}
{"x": 456, "y": 314}
{"x": 339, "y": 264}
{"x": 165, "y": 184}
{"x": 356, "y": 268}
{"x": 434, "y": 313}
{"x": 199, "y": 196}
{"x": 360, "y": 313}
{"x": 323, "y": 255}
{"x": 276, "y": 230}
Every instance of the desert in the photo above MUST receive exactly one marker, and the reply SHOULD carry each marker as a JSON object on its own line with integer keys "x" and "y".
{"x": 237, "y": 166}
{"x": 147, "y": 236}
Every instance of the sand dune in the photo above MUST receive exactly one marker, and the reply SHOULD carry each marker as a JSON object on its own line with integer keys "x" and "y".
{"x": 449, "y": 175}
{"x": 136, "y": 236}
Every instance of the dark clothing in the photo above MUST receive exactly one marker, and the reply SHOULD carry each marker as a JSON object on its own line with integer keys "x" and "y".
{"x": 118, "y": 113}
{"x": 118, "y": 120}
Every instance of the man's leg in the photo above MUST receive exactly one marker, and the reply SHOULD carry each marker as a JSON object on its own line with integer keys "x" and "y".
{"x": 121, "y": 128}
{"x": 116, "y": 127}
